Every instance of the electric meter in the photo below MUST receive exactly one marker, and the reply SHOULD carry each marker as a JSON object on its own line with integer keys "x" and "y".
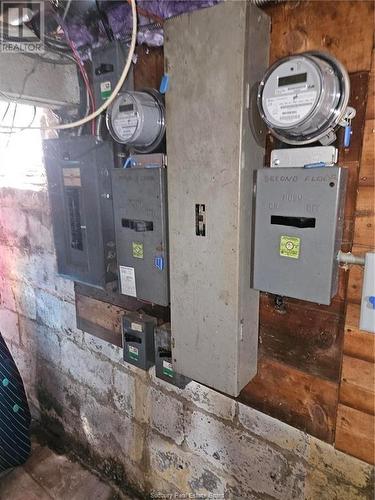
{"x": 304, "y": 98}
{"x": 137, "y": 120}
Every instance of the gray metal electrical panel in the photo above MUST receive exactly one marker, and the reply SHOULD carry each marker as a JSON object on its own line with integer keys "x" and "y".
{"x": 212, "y": 154}
{"x": 80, "y": 193}
{"x": 163, "y": 357}
{"x": 108, "y": 62}
{"x": 140, "y": 207}
{"x": 138, "y": 340}
{"x": 298, "y": 230}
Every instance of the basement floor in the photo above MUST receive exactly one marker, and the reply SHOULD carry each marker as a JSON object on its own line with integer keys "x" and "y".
{"x": 47, "y": 476}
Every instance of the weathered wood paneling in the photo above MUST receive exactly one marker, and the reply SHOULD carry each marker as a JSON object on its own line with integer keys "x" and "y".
{"x": 355, "y": 433}
{"x": 367, "y": 169}
{"x": 99, "y": 318}
{"x": 357, "y": 384}
{"x": 345, "y": 29}
{"x": 291, "y": 395}
{"x": 302, "y": 335}
{"x": 355, "y": 421}
{"x": 370, "y": 111}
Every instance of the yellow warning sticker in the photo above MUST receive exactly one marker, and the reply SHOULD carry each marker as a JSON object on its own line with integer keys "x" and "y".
{"x": 290, "y": 246}
{"x": 137, "y": 250}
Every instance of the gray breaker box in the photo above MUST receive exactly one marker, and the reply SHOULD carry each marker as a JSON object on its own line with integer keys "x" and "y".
{"x": 212, "y": 154}
{"x": 80, "y": 193}
{"x": 140, "y": 207}
{"x": 298, "y": 229}
{"x": 163, "y": 358}
{"x": 138, "y": 340}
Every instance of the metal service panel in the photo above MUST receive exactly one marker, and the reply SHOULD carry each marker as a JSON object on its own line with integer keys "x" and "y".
{"x": 80, "y": 193}
{"x": 212, "y": 153}
{"x": 138, "y": 340}
{"x": 298, "y": 229}
{"x": 139, "y": 198}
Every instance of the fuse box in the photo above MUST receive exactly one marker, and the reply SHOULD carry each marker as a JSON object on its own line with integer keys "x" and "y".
{"x": 212, "y": 154}
{"x": 108, "y": 62}
{"x": 140, "y": 206}
{"x": 163, "y": 358}
{"x": 80, "y": 192}
{"x": 138, "y": 340}
{"x": 298, "y": 230}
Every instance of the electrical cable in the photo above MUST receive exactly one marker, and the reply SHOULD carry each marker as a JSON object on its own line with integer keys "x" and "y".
{"x": 86, "y": 81}
{"x": 108, "y": 102}
{"x": 5, "y": 113}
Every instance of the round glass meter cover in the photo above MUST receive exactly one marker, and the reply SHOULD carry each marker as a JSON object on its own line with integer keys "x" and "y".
{"x": 291, "y": 92}
{"x": 125, "y": 118}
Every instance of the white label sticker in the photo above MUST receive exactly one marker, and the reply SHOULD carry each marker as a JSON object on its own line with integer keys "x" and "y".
{"x": 105, "y": 86}
{"x": 292, "y": 107}
{"x": 127, "y": 280}
{"x": 125, "y": 124}
{"x": 136, "y": 327}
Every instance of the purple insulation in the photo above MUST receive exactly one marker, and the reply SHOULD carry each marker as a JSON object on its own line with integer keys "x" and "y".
{"x": 150, "y": 31}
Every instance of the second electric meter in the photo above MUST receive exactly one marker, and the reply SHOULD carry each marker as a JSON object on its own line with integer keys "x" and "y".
{"x": 137, "y": 120}
{"x": 304, "y": 98}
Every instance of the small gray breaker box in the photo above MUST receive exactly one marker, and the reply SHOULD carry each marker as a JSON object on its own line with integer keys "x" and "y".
{"x": 80, "y": 194}
{"x": 298, "y": 231}
{"x": 140, "y": 208}
{"x": 138, "y": 340}
{"x": 108, "y": 62}
{"x": 163, "y": 358}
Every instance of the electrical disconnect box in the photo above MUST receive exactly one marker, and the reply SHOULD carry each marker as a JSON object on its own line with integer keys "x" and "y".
{"x": 140, "y": 206}
{"x": 163, "y": 357}
{"x": 298, "y": 230}
{"x": 212, "y": 154}
{"x": 107, "y": 65}
{"x": 80, "y": 192}
{"x": 138, "y": 340}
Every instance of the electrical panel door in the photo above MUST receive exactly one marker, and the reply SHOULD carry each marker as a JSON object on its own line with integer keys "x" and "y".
{"x": 214, "y": 58}
{"x": 80, "y": 192}
{"x": 108, "y": 62}
{"x": 140, "y": 206}
{"x": 298, "y": 228}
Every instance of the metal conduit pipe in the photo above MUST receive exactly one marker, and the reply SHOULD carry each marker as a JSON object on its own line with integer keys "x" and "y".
{"x": 349, "y": 258}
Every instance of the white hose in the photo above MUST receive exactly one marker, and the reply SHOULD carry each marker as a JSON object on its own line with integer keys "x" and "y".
{"x": 116, "y": 90}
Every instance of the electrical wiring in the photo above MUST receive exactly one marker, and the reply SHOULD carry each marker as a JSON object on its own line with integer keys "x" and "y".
{"x": 116, "y": 90}
{"x": 25, "y": 127}
{"x": 86, "y": 81}
{"x": 5, "y": 112}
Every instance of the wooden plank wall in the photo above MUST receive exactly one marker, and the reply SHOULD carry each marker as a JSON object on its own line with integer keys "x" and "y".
{"x": 355, "y": 417}
{"x": 301, "y": 343}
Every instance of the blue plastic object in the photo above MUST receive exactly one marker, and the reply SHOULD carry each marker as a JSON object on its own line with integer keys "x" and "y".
{"x": 347, "y": 136}
{"x": 318, "y": 164}
{"x": 159, "y": 263}
{"x": 128, "y": 162}
{"x": 164, "y": 84}
{"x": 371, "y": 299}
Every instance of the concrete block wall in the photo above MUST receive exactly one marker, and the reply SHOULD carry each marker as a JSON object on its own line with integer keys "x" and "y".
{"x": 131, "y": 426}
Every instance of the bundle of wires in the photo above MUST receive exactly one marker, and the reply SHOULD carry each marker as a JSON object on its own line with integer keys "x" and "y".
{"x": 96, "y": 113}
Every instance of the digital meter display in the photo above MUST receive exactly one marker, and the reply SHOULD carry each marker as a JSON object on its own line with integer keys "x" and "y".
{"x": 126, "y": 107}
{"x": 291, "y": 79}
